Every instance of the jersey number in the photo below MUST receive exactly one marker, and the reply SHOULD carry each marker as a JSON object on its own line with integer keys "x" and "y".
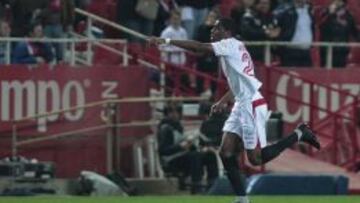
{"x": 249, "y": 68}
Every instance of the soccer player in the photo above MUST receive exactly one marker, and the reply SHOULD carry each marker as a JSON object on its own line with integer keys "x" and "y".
{"x": 245, "y": 126}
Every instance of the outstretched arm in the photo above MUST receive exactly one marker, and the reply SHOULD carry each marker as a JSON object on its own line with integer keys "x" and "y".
{"x": 185, "y": 44}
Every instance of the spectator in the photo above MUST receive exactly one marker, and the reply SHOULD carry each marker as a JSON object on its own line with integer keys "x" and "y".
{"x": 4, "y": 6}
{"x": 129, "y": 17}
{"x": 170, "y": 53}
{"x": 258, "y": 24}
{"x": 57, "y": 16}
{"x": 194, "y": 13}
{"x": 5, "y": 31}
{"x": 33, "y": 52}
{"x": 173, "y": 54}
{"x": 297, "y": 27}
{"x": 207, "y": 63}
{"x": 238, "y": 11}
{"x": 161, "y": 21}
{"x": 338, "y": 25}
{"x": 281, "y": 6}
{"x": 179, "y": 155}
{"x": 81, "y": 4}
{"x": 23, "y": 12}
{"x": 212, "y": 126}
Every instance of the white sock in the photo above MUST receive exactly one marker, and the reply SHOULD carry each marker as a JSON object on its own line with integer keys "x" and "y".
{"x": 243, "y": 199}
{"x": 298, "y": 133}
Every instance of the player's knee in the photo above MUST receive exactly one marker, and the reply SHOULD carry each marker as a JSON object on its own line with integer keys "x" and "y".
{"x": 229, "y": 159}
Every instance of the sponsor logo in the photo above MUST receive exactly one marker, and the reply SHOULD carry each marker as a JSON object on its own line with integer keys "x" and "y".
{"x": 324, "y": 98}
{"x": 21, "y": 99}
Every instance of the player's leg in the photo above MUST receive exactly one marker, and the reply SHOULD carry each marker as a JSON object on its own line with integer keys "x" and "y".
{"x": 229, "y": 153}
{"x": 261, "y": 156}
{"x": 267, "y": 153}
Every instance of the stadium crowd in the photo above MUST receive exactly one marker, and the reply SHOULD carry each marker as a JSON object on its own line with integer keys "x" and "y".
{"x": 295, "y": 21}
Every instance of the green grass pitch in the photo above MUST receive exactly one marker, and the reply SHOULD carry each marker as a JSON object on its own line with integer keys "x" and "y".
{"x": 183, "y": 199}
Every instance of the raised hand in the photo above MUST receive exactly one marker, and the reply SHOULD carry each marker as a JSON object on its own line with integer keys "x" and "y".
{"x": 156, "y": 41}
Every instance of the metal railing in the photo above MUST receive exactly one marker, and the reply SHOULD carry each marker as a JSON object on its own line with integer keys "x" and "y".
{"x": 337, "y": 119}
{"x": 268, "y": 45}
{"x": 71, "y": 41}
{"x": 91, "y": 19}
{"x": 110, "y": 118}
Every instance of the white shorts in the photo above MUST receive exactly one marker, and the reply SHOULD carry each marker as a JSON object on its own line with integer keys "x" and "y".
{"x": 248, "y": 120}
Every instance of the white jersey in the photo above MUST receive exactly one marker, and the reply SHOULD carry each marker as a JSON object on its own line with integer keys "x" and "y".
{"x": 238, "y": 68}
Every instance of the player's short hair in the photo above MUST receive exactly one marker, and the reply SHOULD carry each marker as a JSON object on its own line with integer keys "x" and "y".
{"x": 228, "y": 25}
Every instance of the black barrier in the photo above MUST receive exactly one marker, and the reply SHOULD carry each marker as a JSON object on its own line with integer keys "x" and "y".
{"x": 287, "y": 184}
{"x": 292, "y": 184}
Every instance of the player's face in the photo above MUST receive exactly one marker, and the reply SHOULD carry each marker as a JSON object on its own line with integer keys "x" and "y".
{"x": 217, "y": 33}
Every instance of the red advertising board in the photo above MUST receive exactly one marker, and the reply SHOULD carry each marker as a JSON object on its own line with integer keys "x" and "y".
{"x": 307, "y": 93}
{"x": 27, "y": 91}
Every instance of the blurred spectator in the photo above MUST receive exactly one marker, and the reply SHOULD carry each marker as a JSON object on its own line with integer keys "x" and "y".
{"x": 281, "y": 6}
{"x": 59, "y": 14}
{"x": 207, "y": 63}
{"x": 129, "y": 17}
{"x": 5, "y": 31}
{"x": 81, "y": 4}
{"x": 67, "y": 14}
{"x": 297, "y": 26}
{"x": 238, "y": 11}
{"x": 33, "y": 52}
{"x": 22, "y": 14}
{"x": 338, "y": 25}
{"x": 161, "y": 21}
{"x": 170, "y": 53}
{"x": 4, "y": 10}
{"x": 174, "y": 54}
{"x": 178, "y": 153}
{"x": 194, "y": 13}
{"x": 258, "y": 24}
{"x": 212, "y": 126}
